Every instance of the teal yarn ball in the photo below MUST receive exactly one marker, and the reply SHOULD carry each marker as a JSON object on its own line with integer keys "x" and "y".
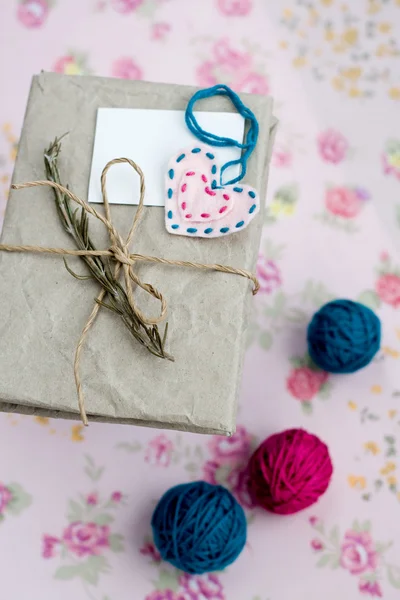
{"x": 199, "y": 527}
{"x": 343, "y": 336}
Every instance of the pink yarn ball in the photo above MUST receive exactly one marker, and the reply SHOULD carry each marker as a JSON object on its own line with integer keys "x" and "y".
{"x": 289, "y": 471}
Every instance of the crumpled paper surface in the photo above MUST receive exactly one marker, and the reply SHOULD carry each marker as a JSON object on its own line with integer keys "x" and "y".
{"x": 43, "y": 308}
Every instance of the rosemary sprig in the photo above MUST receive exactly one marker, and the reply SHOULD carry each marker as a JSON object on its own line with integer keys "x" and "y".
{"x": 76, "y": 224}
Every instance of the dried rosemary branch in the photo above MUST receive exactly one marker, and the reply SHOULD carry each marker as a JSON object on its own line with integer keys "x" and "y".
{"x": 76, "y": 224}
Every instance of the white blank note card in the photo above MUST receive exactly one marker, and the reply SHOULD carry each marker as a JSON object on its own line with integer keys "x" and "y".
{"x": 150, "y": 138}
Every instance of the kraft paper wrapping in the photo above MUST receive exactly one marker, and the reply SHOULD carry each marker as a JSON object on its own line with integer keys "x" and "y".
{"x": 43, "y": 308}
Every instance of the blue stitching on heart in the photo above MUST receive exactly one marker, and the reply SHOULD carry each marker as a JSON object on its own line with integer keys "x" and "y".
{"x": 240, "y": 224}
{"x": 175, "y": 226}
{"x": 252, "y": 208}
{"x": 191, "y": 230}
{"x": 196, "y": 150}
{"x": 208, "y": 230}
{"x": 170, "y": 192}
{"x": 181, "y": 157}
{"x": 170, "y": 214}
{"x": 171, "y": 173}
{"x": 211, "y": 156}
{"x": 252, "y": 194}
{"x": 214, "y": 169}
{"x": 224, "y": 229}
{"x": 237, "y": 189}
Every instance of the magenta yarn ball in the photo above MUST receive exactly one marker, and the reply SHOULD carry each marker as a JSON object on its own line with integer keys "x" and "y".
{"x": 289, "y": 471}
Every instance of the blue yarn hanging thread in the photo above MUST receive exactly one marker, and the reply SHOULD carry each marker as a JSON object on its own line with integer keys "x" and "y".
{"x": 343, "y": 336}
{"x": 199, "y": 527}
{"x": 251, "y": 138}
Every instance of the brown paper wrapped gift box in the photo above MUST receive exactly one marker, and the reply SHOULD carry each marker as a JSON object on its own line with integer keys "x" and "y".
{"x": 43, "y": 308}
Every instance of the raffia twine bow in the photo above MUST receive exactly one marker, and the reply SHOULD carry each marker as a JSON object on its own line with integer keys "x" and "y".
{"x": 123, "y": 259}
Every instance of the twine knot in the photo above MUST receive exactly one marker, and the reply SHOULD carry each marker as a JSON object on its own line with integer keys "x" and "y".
{"x": 121, "y": 254}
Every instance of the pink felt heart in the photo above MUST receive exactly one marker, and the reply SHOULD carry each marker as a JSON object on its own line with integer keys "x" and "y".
{"x": 196, "y": 206}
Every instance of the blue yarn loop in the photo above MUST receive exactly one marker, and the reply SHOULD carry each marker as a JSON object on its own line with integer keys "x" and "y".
{"x": 199, "y": 527}
{"x": 343, "y": 336}
{"x": 223, "y": 142}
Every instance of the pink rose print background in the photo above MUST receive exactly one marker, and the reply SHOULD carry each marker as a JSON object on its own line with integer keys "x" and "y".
{"x": 76, "y": 503}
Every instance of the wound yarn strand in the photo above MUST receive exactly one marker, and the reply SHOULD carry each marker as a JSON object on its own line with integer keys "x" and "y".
{"x": 343, "y": 336}
{"x": 289, "y": 471}
{"x": 119, "y": 252}
{"x": 199, "y": 527}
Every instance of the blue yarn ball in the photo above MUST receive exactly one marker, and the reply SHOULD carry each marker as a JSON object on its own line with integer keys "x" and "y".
{"x": 199, "y": 527}
{"x": 343, "y": 336}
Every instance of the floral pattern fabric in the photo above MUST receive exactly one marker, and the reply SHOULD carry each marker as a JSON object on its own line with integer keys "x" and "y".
{"x": 75, "y": 502}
